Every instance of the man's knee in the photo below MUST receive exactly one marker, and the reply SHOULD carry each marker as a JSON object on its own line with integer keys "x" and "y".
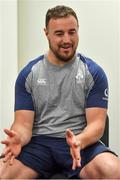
{"x": 16, "y": 171}
{"x": 102, "y": 166}
{"x": 112, "y": 169}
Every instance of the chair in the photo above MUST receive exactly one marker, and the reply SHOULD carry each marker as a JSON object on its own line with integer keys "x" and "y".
{"x": 105, "y": 137}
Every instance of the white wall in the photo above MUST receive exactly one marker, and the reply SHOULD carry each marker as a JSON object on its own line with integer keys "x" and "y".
{"x": 8, "y": 62}
{"x": 119, "y": 72}
{"x": 0, "y": 66}
{"x": 99, "y": 31}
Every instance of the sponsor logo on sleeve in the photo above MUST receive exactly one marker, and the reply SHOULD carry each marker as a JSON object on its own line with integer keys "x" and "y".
{"x": 105, "y": 94}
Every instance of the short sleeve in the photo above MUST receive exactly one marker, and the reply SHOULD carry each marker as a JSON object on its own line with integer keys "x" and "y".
{"x": 98, "y": 93}
{"x": 23, "y": 98}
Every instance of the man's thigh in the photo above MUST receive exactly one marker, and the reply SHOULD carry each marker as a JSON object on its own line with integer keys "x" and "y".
{"x": 35, "y": 159}
{"x": 37, "y": 156}
{"x": 18, "y": 171}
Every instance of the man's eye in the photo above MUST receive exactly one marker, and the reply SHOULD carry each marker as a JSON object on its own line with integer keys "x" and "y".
{"x": 59, "y": 34}
{"x": 72, "y": 32}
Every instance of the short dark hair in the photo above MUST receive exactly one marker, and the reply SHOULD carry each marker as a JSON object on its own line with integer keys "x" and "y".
{"x": 59, "y": 12}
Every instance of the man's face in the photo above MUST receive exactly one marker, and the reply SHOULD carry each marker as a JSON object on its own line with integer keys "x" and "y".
{"x": 62, "y": 35}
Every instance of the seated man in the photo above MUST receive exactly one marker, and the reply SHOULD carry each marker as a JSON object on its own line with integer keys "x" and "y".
{"x": 61, "y": 102}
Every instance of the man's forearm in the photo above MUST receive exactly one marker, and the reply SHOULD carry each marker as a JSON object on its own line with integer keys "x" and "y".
{"x": 90, "y": 135}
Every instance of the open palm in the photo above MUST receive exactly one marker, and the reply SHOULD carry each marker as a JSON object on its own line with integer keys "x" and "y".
{"x": 12, "y": 146}
{"x": 74, "y": 148}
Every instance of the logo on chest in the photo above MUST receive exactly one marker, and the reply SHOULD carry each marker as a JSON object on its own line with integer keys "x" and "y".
{"x": 79, "y": 77}
{"x": 42, "y": 82}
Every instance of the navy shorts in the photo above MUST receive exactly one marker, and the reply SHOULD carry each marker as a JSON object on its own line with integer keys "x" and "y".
{"x": 47, "y": 155}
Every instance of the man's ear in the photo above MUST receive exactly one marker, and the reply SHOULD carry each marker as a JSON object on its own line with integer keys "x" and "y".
{"x": 46, "y": 31}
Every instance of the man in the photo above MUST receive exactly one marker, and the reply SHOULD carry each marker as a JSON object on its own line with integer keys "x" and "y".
{"x": 60, "y": 111}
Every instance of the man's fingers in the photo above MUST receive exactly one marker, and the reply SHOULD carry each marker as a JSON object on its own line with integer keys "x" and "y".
{"x": 6, "y": 158}
{"x": 69, "y": 133}
{"x": 9, "y": 132}
{"x": 6, "y": 142}
{"x": 74, "y": 149}
{"x": 76, "y": 159}
{"x": 78, "y": 162}
{"x": 75, "y": 152}
{"x": 71, "y": 152}
{"x": 7, "y": 150}
{"x": 74, "y": 165}
{"x": 12, "y": 159}
{"x": 76, "y": 144}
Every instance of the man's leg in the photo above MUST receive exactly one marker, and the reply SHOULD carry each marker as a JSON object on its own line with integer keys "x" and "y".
{"x": 16, "y": 171}
{"x": 103, "y": 166}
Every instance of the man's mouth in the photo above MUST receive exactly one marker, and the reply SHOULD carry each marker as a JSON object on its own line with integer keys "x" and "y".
{"x": 66, "y": 46}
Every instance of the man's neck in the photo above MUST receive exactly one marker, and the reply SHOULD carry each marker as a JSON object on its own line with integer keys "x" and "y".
{"x": 54, "y": 60}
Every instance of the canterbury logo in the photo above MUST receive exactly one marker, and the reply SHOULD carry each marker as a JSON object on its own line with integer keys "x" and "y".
{"x": 42, "y": 81}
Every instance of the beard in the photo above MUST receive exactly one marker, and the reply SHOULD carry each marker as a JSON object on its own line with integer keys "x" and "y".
{"x": 66, "y": 57}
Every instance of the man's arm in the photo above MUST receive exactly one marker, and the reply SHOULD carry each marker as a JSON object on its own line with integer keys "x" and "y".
{"x": 96, "y": 118}
{"x": 23, "y": 125}
{"x": 92, "y": 133}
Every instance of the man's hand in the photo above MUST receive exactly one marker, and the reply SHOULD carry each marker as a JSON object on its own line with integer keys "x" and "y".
{"x": 12, "y": 146}
{"x": 74, "y": 148}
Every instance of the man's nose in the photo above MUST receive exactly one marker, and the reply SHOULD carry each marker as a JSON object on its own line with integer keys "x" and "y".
{"x": 66, "y": 38}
